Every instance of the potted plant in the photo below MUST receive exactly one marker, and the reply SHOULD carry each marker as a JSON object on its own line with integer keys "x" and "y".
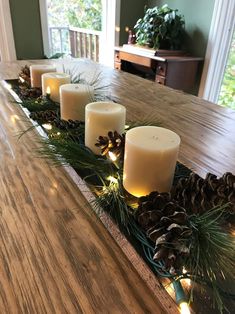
{"x": 160, "y": 28}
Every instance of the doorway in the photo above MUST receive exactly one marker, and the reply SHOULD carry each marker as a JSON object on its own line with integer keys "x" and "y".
{"x": 221, "y": 36}
{"x": 80, "y": 28}
{"x": 227, "y": 91}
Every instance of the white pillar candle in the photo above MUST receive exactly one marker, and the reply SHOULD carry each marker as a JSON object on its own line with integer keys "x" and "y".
{"x": 150, "y": 160}
{"x": 36, "y": 71}
{"x": 73, "y": 100}
{"x": 54, "y": 81}
{"x": 100, "y": 118}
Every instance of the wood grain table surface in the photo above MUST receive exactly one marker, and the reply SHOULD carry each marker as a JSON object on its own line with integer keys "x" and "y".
{"x": 55, "y": 255}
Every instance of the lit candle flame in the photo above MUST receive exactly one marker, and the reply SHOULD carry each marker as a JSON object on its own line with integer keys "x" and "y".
{"x": 47, "y": 126}
{"x": 112, "y": 156}
{"x": 184, "y": 308}
{"x": 48, "y": 91}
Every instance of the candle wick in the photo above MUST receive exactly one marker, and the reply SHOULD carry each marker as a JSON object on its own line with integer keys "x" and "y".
{"x": 155, "y": 137}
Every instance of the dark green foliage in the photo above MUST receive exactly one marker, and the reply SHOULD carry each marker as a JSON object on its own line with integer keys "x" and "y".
{"x": 160, "y": 28}
{"x": 40, "y": 104}
{"x": 212, "y": 254}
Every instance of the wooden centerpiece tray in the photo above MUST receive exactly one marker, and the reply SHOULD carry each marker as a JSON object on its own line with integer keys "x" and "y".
{"x": 129, "y": 244}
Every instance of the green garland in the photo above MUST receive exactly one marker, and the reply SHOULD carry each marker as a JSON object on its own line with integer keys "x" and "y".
{"x": 211, "y": 258}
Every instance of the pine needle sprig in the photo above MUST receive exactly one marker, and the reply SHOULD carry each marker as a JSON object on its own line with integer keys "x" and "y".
{"x": 67, "y": 152}
{"x": 212, "y": 254}
{"x": 35, "y": 105}
{"x": 100, "y": 90}
{"x": 111, "y": 199}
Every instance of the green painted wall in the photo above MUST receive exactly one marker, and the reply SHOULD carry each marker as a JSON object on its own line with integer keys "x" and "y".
{"x": 27, "y": 28}
{"x": 198, "y": 14}
{"x": 131, "y": 11}
{"x": 28, "y": 35}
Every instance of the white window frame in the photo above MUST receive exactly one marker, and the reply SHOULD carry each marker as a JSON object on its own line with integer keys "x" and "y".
{"x": 7, "y": 43}
{"x": 45, "y": 27}
{"x": 110, "y": 29}
{"x": 218, "y": 47}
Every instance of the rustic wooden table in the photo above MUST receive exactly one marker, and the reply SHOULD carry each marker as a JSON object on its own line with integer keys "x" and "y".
{"x": 55, "y": 255}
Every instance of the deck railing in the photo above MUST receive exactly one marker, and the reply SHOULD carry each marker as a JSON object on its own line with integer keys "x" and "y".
{"x": 84, "y": 43}
{"x": 79, "y": 42}
{"x": 59, "y": 40}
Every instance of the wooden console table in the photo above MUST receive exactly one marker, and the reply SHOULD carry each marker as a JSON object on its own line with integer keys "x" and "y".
{"x": 178, "y": 72}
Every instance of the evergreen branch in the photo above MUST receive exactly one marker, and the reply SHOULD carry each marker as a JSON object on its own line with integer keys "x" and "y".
{"x": 36, "y": 105}
{"x": 67, "y": 152}
{"x": 212, "y": 255}
{"x": 111, "y": 198}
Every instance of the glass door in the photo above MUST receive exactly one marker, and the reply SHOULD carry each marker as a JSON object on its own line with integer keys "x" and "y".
{"x": 75, "y": 27}
{"x": 227, "y": 91}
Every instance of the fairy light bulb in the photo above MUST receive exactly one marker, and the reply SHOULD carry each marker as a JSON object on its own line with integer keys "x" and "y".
{"x": 112, "y": 156}
{"x": 47, "y": 126}
{"x": 48, "y": 90}
{"x": 112, "y": 179}
{"x": 186, "y": 281}
{"x": 180, "y": 297}
{"x": 184, "y": 308}
{"x": 21, "y": 79}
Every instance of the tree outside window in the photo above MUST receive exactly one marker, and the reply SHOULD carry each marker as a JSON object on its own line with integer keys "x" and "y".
{"x": 227, "y": 92}
{"x": 77, "y": 13}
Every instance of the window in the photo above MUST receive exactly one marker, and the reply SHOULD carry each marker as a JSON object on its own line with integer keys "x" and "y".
{"x": 219, "y": 42}
{"x": 97, "y": 44}
{"x": 7, "y": 45}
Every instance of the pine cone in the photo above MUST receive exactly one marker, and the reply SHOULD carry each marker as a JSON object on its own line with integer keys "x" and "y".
{"x": 167, "y": 225}
{"x": 53, "y": 117}
{"x": 25, "y": 75}
{"x": 198, "y": 195}
{"x": 113, "y": 143}
{"x": 47, "y": 116}
{"x": 28, "y": 92}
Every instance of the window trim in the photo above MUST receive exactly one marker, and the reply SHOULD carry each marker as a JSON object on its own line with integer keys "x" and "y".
{"x": 109, "y": 39}
{"x": 45, "y": 27}
{"x": 219, "y": 42}
{"x": 7, "y": 43}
